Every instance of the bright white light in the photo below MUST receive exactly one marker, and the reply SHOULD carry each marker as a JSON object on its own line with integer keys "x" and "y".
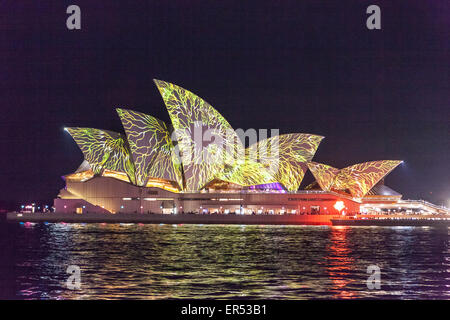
{"x": 339, "y": 205}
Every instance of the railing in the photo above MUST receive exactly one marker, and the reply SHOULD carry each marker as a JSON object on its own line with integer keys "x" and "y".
{"x": 393, "y": 217}
{"x": 435, "y": 206}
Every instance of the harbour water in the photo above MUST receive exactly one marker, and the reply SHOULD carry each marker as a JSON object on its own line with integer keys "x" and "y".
{"x": 136, "y": 261}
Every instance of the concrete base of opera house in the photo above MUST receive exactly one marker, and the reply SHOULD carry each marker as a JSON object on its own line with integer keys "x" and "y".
{"x": 287, "y": 219}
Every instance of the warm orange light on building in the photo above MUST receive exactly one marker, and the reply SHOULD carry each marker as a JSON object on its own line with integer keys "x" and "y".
{"x": 162, "y": 184}
{"x": 80, "y": 176}
{"x": 116, "y": 174}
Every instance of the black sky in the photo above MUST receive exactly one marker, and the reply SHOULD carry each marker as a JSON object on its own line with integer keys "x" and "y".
{"x": 300, "y": 66}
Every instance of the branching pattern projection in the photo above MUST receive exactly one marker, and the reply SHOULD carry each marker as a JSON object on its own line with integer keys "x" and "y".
{"x": 246, "y": 172}
{"x": 202, "y": 160}
{"x": 277, "y": 159}
{"x": 358, "y": 178}
{"x": 148, "y": 157}
{"x": 324, "y": 174}
{"x": 361, "y": 177}
{"x": 152, "y": 149}
{"x": 295, "y": 151}
{"x": 104, "y": 149}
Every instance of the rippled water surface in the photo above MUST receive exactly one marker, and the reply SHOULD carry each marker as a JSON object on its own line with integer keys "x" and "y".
{"x": 205, "y": 261}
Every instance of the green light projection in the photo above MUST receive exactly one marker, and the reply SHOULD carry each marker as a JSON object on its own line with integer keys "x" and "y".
{"x": 358, "y": 178}
{"x": 104, "y": 149}
{"x": 361, "y": 177}
{"x": 153, "y": 152}
{"x": 202, "y": 160}
{"x": 277, "y": 159}
{"x": 148, "y": 151}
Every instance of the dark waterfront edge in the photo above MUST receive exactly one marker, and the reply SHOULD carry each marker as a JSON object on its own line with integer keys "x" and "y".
{"x": 217, "y": 219}
{"x": 171, "y": 218}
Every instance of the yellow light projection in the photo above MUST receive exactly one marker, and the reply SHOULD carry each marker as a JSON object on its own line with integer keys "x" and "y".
{"x": 361, "y": 177}
{"x": 147, "y": 156}
{"x": 296, "y": 150}
{"x": 104, "y": 149}
{"x": 358, "y": 178}
{"x": 280, "y": 159}
{"x": 324, "y": 174}
{"x": 152, "y": 149}
{"x": 218, "y": 184}
{"x": 246, "y": 172}
{"x": 202, "y": 160}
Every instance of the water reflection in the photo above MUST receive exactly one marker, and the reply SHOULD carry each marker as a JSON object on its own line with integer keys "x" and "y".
{"x": 340, "y": 263}
{"x": 193, "y": 261}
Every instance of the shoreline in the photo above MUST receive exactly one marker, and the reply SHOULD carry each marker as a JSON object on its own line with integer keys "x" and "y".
{"x": 401, "y": 222}
{"x": 171, "y": 218}
{"x": 155, "y": 218}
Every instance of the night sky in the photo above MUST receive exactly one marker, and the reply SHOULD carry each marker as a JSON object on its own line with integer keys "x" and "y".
{"x": 300, "y": 66}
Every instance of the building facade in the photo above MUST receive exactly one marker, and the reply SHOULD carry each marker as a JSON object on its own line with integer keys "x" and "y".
{"x": 199, "y": 164}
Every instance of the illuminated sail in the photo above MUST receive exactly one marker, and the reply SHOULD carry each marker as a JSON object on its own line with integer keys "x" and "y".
{"x": 206, "y": 140}
{"x": 152, "y": 149}
{"x": 278, "y": 159}
{"x": 324, "y": 174}
{"x": 104, "y": 149}
{"x": 361, "y": 177}
{"x": 206, "y": 148}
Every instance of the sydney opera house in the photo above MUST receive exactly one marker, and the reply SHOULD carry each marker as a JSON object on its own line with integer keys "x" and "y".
{"x": 154, "y": 167}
